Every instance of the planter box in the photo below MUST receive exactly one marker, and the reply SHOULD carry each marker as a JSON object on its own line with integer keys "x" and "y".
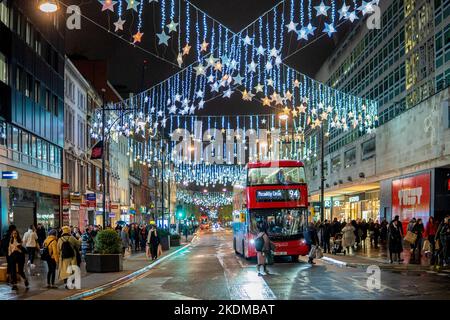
{"x": 175, "y": 242}
{"x": 165, "y": 242}
{"x": 100, "y": 263}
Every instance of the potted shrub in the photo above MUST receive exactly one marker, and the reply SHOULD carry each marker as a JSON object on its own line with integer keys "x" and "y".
{"x": 164, "y": 237}
{"x": 175, "y": 240}
{"x": 108, "y": 253}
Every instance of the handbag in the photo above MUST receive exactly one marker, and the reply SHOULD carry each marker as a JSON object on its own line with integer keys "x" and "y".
{"x": 319, "y": 253}
{"x": 426, "y": 246}
{"x": 411, "y": 237}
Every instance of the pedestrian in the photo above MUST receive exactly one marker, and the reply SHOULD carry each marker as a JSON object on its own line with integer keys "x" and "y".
{"x": 153, "y": 242}
{"x": 131, "y": 232}
{"x": 371, "y": 231}
{"x": 262, "y": 245}
{"x": 430, "y": 235}
{"x": 336, "y": 227}
{"x": 395, "y": 241}
{"x": 410, "y": 227}
{"x": 376, "y": 233}
{"x": 418, "y": 229}
{"x": 363, "y": 228}
{"x": 5, "y": 247}
{"x": 52, "y": 257}
{"x": 30, "y": 241}
{"x": 87, "y": 243}
{"x": 143, "y": 237}
{"x": 136, "y": 238}
{"x": 16, "y": 253}
{"x": 384, "y": 231}
{"x": 355, "y": 224}
{"x": 76, "y": 233}
{"x": 312, "y": 241}
{"x": 348, "y": 237}
{"x": 68, "y": 245}
{"x": 125, "y": 238}
{"x": 41, "y": 234}
{"x": 326, "y": 236}
{"x": 444, "y": 237}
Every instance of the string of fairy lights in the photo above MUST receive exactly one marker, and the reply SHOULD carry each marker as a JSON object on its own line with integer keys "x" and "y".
{"x": 205, "y": 199}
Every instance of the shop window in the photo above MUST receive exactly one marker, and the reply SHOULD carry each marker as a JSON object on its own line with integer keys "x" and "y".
{"x": 368, "y": 149}
{"x": 3, "y": 69}
{"x": 350, "y": 158}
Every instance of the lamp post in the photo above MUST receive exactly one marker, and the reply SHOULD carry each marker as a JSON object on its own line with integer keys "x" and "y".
{"x": 322, "y": 172}
{"x": 104, "y": 160}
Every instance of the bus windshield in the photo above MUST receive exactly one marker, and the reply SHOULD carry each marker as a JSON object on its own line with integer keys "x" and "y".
{"x": 276, "y": 175}
{"x": 281, "y": 223}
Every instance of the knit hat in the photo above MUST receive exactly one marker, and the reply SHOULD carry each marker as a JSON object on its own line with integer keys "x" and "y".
{"x": 52, "y": 232}
{"x": 65, "y": 230}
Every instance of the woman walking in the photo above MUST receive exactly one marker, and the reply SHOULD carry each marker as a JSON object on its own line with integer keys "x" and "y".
{"x": 153, "y": 242}
{"x": 263, "y": 249}
{"x": 348, "y": 237}
{"x": 16, "y": 254}
{"x": 30, "y": 241}
{"x": 125, "y": 237}
{"x": 67, "y": 247}
{"x": 51, "y": 247}
{"x": 395, "y": 241}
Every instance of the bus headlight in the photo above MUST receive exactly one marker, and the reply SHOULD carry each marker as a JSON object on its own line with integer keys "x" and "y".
{"x": 302, "y": 241}
{"x": 252, "y": 241}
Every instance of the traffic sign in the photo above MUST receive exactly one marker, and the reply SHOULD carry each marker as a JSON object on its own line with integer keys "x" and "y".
{"x": 9, "y": 175}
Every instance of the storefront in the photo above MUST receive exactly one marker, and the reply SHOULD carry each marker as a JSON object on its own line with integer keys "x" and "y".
{"x": 365, "y": 205}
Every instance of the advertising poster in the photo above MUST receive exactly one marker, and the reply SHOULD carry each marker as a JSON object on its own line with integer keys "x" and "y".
{"x": 411, "y": 198}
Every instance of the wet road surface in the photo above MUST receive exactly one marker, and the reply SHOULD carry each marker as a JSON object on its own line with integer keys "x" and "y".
{"x": 209, "y": 269}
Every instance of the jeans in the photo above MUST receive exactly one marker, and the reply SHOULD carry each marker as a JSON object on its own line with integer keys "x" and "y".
{"x": 51, "y": 271}
{"x": 31, "y": 254}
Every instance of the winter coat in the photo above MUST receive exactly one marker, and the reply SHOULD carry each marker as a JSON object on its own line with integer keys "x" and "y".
{"x": 40, "y": 231}
{"x": 395, "y": 239}
{"x": 30, "y": 239}
{"x": 125, "y": 237}
{"x": 52, "y": 244}
{"x": 86, "y": 242}
{"x": 311, "y": 237}
{"x": 418, "y": 229}
{"x": 348, "y": 236}
{"x": 65, "y": 263}
{"x": 153, "y": 238}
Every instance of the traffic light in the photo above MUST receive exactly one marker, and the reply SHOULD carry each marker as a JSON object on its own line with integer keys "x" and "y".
{"x": 181, "y": 214}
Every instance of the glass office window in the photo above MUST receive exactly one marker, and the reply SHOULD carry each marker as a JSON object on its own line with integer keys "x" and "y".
{"x": 37, "y": 92}
{"x": 350, "y": 157}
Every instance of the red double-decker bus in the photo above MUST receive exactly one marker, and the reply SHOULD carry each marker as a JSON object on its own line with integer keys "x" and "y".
{"x": 273, "y": 194}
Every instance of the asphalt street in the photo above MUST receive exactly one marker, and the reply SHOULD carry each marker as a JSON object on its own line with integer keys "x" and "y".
{"x": 209, "y": 269}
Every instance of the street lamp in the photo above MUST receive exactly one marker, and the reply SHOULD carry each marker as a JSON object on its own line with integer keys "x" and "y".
{"x": 48, "y": 6}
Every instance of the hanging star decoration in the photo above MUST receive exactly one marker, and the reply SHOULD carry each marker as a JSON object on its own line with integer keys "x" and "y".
{"x": 273, "y": 52}
{"x": 247, "y": 96}
{"x": 343, "y": 12}
{"x": 137, "y": 37}
{"x": 352, "y": 16}
{"x": 322, "y": 9}
{"x": 119, "y": 24}
{"x": 291, "y": 26}
{"x": 366, "y": 7}
{"x": 266, "y": 101}
{"x": 329, "y": 29}
{"x": 252, "y": 66}
{"x": 186, "y": 49}
{"x": 108, "y": 5}
{"x": 263, "y": 121}
{"x": 172, "y": 26}
{"x": 163, "y": 38}
{"x": 302, "y": 34}
{"x": 260, "y": 50}
{"x": 310, "y": 29}
{"x": 218, "y": 66}
{"x": 247, "y": 40}
{"x": 132, "y": 5}
{"x": 258, "y": 88}
{"x": 228, "y": 93}
{"x": 238, "y": 79}
{"x": 296, "y": 83}
{"x": 204, "y": 46}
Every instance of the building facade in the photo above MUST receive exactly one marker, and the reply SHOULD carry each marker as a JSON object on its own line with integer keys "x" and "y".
{"x": 31, "y": 114}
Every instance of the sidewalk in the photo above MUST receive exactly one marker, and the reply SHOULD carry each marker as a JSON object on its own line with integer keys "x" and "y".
{"x": 368, "y": 255}
{"x": 89, "y": 281}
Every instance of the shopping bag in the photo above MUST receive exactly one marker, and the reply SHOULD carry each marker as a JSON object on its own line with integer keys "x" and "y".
{"x": 426, "y": 246}
{"x": 411, "y": 237}
{"x": 319, "y": 253}
{"x": 312, "y": 252}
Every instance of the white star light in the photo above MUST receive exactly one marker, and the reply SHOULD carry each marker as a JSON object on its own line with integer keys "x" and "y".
{"x": 211, "y": 60}
{"x": 247, "y": 40}
{"x": 211, "y": 79}
{"x": 201, "y": 104}
{"x": 310, "y": 29}
{"x": 172, "y": 26}
{"x": 238, "y": 79}
{"x": 343, "y": 12}
{"x": 173, "y": 109}
{"x": 352, "y": 16}
{"x": 215, "y": 87}
{"x": 199, "y": 70}
{"x": 199, "y": 94}
{"x": 260, "y": 50}
{"x": 366, "y": 7}
{"x": 259, "y": 88}
{"x": 302, "y": 34}
{"x": 227, "y": 93}
{"x": 163, "y": 38}
{"x": 233, "y": 64}
{"x": 252, "y": 66}
{"x": 291, "y": 26}
{"x": 278, "y": 61}
{"x": 119, "y": 24}
{"x": 329, "y": 29}
{"x": 322, "y": 9}
{"x": 273, "y": 52}
{"x": 177, "y": 97}
{"x": 269, "y": 66}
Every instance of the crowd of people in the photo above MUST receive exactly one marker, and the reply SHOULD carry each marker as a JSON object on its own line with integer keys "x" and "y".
{"x": 434, "y": 239}
{"x": 65, "y": 247}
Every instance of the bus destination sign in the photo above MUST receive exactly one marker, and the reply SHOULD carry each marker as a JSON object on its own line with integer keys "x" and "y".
{"x": 277, "y": 195}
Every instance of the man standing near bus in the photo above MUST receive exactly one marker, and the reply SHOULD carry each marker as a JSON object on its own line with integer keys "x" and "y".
{"x": 262, "y": 246}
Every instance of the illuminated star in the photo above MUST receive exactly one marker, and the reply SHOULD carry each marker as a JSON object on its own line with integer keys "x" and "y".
{"x": 218, "y": 66}
{"x": 233, "y": 64}
{"x": 119, "y": 24}
{"x": 186, "y": 49}
{"x": 192, "y": 109}
{"x": 260, "y": 50}
{"x": 278, "y": 61}
{"x": 296, "y": 83}
{"x": 163, "y": 122}
{"x": 266, "y": 101}
{"x": 137, "y": 37}
{"x": 246, "y": 95}
{"x": 108, "y": 5}
{"x": 366, "y": 7}
{"x": 132, "y": 5}
{"x": 204, "y": 45}
{"x": 301, "y": 108}
{"x": 201, "y": 104}
{"x": 160, "y": 113}
{"x": 294, "y": 113}
{"x": 270, "y": 82}
{"x": 211, "y": 78}
{"x": 185, "y": 102}
{"x": 215, "y": 87}
{"x": 310, "y": 29}
{"x": 302, "y": 34}
{"x": 180, "y": 59}
{"x": 352, "y": 16}
{"x": 227, "y": 93}
{"x": 238, "y": 79}
{"x": 259, "y": 88}
{"x": 199, "y": 94}
{"x": 163, "y": 38}
{"x": 343, "y": 12}
{"x": 177, "y": 97}
{"x": 199, "y": 70}
{"x": 322, "y": 9}
{"x": 172, "y": 26}
{"x": 273, "y": 52}
{"x": 268, "y": 66}
{"x": 291, "y": 26}
{"x": 252, "y": 66}
{"x": 173, "y": 109}
{"x": 247, "y": 40}
{"x": 288, "y": 95}
{"x": 329, "y": 29}
{"x": 263, "y": 121}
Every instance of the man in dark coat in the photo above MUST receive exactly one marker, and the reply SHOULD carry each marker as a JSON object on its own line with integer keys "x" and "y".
{"x": 41, "y": 234}
{"x": 326, "y": 236}
{"x": 311, "y": 240}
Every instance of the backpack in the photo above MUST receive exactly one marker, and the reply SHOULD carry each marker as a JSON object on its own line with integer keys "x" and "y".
{"x": 67, "y": 250}
{"x": 259, "y": 244}
{"x": 45, "y": 253}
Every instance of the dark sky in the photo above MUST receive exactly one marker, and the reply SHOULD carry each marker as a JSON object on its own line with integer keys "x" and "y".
{"x": 126, "y": 61}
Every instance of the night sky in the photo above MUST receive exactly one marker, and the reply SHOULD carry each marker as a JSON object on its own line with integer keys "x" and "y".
{"x": 126, "y": 61}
